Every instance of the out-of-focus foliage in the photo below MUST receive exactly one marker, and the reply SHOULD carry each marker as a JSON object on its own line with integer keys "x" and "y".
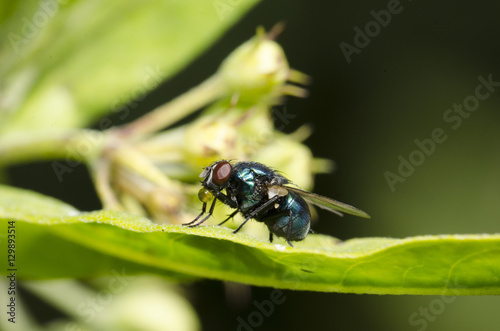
{"x": 66, "y": 63}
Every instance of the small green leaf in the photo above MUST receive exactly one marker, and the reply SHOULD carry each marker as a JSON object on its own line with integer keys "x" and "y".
{"x": 54, "y": 240}
{"x": 66, "y": 63}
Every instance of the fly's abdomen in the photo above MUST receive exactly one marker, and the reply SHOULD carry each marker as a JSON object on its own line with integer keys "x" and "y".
{"x": 294, "y": 213}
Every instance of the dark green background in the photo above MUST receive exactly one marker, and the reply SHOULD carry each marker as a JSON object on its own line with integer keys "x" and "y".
{"x": 365, "y": 114}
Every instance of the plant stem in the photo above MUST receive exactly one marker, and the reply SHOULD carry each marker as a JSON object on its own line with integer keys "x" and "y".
{"x": 102, "y": 179}
{"x": 76, "y": 144}
{"x": 180, "y": 107}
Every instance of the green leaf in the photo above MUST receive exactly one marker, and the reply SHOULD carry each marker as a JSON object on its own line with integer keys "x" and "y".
{"x": 42, "y": 254}
{"x": 55, "y": 240}
{"x": 66, "y": 63}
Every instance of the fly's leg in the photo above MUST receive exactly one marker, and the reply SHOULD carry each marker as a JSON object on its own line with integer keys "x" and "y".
{"x": 229, "y": 217}
{"x": 203, "y": 209}
{"x": 289, "y": 230}
{"x": 218, "y": 196}
{"x": 210, "y": 212}
{"x": 225, "y": 199}
{"x": 262, "y": 208}
{"x": 239, "y": 227}
{"x": 286, "y": 213}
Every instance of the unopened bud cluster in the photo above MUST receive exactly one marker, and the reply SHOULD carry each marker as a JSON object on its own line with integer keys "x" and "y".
{"x": 238, "y": 125}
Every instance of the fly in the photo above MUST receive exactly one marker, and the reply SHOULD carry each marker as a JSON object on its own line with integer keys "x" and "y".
{"x": 260, "y": 193}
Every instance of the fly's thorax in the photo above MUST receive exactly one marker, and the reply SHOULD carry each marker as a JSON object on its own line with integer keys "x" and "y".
{"x": 248, "y": 184}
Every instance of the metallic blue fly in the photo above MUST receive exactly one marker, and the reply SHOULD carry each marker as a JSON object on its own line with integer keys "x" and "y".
{"x": 261, "y": 193}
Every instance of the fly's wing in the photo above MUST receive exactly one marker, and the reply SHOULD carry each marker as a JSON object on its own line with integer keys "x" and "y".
{"x": 331, "y": 205}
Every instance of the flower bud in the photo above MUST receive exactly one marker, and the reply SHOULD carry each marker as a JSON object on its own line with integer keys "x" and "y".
{"x": 226, "y": 133}
{"x": 256, "y": 69}
{"x": 293, "y": 159}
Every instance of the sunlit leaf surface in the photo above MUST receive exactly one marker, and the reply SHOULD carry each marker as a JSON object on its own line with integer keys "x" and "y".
{"x": 55, "y": 240}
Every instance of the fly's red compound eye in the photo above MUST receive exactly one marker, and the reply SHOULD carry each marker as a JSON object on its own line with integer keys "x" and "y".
{"x": 221, "y": 173}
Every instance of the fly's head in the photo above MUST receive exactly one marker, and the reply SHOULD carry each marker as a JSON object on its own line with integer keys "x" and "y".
{"x": 214, "y": 178}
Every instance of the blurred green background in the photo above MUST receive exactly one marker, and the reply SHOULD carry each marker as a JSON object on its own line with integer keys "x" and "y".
{"x": 365, "y": 114}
